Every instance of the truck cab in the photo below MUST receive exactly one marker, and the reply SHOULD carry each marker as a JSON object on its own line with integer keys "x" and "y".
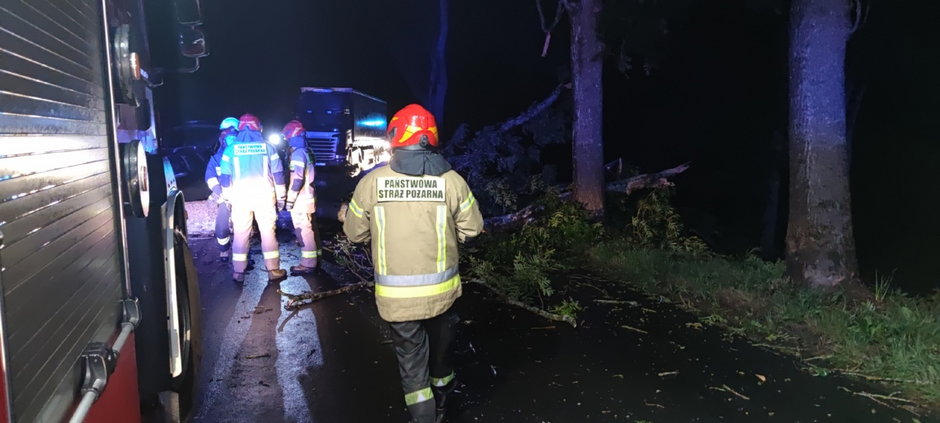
{"x": 345, "y": 127}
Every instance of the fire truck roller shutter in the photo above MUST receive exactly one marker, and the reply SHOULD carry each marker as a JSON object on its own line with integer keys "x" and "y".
{"x": 63, "y": 254}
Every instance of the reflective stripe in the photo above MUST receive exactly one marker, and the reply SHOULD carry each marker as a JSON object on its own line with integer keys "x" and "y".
{"x": 416, "y": 280}
{"x": 355, "y": 208}
{"x": 297, "y": 163}
{"x": 239, "y": 257}
{"x": 223, "y": 241}
{"x": 275, "y": 156}
{"x": 440, "y": 382}
{"x": 419, "y": 396}
{"x": 417, "y": 291}
{"x": 225, "y": 158}
{"x": 271, "y": 254}
{"x": 309, "y": 254}
{"x": 467, "y": 203}
{"x": 382, "y": 268}
{"x": 212, "y": 182}
{"x": 218, "y": 170}
{"x": 236, "y": 170}
{"x": 441, "y": 240}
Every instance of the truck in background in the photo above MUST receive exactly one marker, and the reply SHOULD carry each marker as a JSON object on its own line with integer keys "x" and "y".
{"x": 344, "y": 127}
{"x": 100, "y": 307}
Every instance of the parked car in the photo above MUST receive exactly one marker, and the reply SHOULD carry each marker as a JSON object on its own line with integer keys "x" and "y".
{"x": 189, "y": 147}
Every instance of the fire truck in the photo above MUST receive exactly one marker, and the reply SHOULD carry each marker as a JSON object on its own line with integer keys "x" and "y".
{"x": 344, "y": 127}
{"x": 100, "y": 305}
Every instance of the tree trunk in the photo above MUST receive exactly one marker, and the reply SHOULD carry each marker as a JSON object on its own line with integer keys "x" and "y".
{"x": 437, "y": 87}
{"x": 820, "y": 242}
{"x": 586, "y": 69}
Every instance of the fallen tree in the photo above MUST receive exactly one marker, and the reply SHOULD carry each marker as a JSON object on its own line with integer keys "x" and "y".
{"x": 360, "y": 265}
{"x": 627, "y": 186}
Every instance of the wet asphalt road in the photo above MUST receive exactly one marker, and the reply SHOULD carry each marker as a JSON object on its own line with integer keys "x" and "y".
{"x": 641, "y": 360}
{"x": 637, "y": 360}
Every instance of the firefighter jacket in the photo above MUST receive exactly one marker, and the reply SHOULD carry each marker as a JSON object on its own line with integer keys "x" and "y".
{"x": 414, "y": 223}
{"x": 251, "y": 170}
{"x": 301, "y": 191}
{"x": 214, "y": 171}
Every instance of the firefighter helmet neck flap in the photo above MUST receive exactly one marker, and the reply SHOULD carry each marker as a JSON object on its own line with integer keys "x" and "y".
{"x": 249, "y": 122}
{"x": 412, "y": 135}
{"x": 227, "y": 137}
{"x": 293, "y": 132}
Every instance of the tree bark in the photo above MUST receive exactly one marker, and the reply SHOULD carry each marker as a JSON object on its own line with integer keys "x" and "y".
{"x": 820, "y": 241}
{"x": 437, "y": 86}
{"x": 587, "y": 136}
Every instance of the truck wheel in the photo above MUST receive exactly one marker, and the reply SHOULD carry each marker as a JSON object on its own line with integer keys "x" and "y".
{"x": 190, "y": 314}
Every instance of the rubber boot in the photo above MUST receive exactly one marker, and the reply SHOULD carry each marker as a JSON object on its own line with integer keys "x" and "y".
{"x": 276, "y": 275}
{"x": 441, "y": 395}
{"x": 302, "y": 270}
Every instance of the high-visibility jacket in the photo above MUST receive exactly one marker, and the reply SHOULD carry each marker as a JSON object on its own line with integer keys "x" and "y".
{"x": 415, "y": 223}
{"x": 251, "y": 169}
{"x": 214, "y": 171}
{"x": 301, "y": 191}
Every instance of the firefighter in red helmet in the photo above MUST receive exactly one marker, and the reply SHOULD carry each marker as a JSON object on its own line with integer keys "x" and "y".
{"x": 415, "y": 211}
{"x": 302, "y": 198}
{"x": 253, "y": 181}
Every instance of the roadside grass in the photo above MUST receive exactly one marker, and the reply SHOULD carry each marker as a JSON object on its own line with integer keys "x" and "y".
{"x": 892, "y": 338}
{"x": 889, "y": 338}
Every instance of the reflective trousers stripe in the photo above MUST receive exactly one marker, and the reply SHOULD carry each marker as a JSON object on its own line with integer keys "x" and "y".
{"x": 212, "y": 182}
{"x": 239, "y": 257}
{"x": 440, "y": 382}
{"x": 271, "y": 254}
{"x": 224, "y": 241}
{"x": 417, "y": 291}
{"x": 420, "y": 395}
{"x": 309, "y": 254}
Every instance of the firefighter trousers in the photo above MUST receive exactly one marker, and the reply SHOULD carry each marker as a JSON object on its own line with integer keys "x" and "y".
{"x": 308, "y": 234}
{"x": 223, "y": 223}
{"x": 424, "y": 351}
{"x": 243, "y": 213}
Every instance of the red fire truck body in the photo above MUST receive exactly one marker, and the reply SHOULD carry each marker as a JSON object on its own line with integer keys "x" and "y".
{"x": 99, "y": 310}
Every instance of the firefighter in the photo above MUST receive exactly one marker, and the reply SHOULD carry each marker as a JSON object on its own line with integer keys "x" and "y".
{"x": 223, "y": 221}
{"x": 301, "y": 198}
{"x": 415, "y": 211}
{"x": 253, "y": 181}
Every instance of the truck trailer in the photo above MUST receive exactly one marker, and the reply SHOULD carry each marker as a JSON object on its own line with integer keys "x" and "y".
{"x": 99, "y": 309}
{"x": 344, "y": 127}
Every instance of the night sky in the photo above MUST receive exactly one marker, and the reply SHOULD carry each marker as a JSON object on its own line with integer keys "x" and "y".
{"x": 717, "y": 97}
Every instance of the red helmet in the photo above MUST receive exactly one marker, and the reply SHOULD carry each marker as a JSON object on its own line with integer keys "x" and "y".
{"x": 293, "y": 129}
{"x": 249, "y": 121}
{"x": 411, "y": 126}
